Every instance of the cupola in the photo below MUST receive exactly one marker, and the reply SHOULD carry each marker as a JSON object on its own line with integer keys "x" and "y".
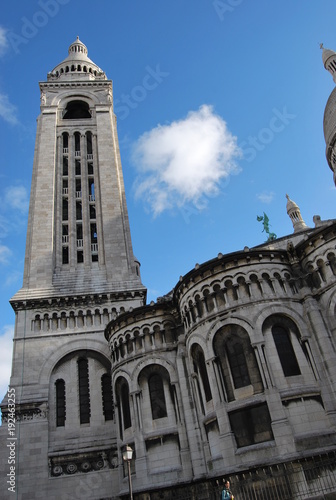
{"x": 77, "y": 65}
{"x": 295, "y": 215}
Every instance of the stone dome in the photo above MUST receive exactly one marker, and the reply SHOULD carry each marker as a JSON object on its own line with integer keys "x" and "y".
{"x": 77, "y": 65}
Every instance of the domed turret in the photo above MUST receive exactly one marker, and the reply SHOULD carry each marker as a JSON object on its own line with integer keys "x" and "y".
{"x": 295, "y": 215}
{"x": 329, "y": 61}
{"x": 77, "y": 65}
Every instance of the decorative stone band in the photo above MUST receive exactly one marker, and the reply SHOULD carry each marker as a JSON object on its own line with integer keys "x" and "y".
{"x": 83, "y": 462}
{"x": 24, "y": 413}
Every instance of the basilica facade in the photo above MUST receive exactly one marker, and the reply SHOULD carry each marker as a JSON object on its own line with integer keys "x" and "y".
{"x": 232, "y": 374}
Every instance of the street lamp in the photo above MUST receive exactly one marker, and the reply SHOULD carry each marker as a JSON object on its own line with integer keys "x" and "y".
{"x": 127, "y": 457}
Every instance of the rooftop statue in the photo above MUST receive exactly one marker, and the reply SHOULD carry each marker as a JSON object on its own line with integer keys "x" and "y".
{"x": 265, "y": 220}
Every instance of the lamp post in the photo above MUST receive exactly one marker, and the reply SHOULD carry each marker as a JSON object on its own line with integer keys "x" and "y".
{"x": 127, "y": 457}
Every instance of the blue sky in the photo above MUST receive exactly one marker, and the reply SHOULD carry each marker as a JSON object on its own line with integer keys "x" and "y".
{"x": 220, "y": 109}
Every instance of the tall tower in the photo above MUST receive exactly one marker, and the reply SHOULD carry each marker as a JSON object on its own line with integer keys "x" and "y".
{"x": 79, "y": 273}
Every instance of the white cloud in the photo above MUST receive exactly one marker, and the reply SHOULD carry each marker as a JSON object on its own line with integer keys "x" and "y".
{"x": 184, "y": 161}
{"x": 266, "y": 197}
{"x": 7, "y": 110}
{"x": 5, "y": 253}
{"x": 6, "y": 350}
{"x": 3, "y": 40}
{"x": 17, "y": 197}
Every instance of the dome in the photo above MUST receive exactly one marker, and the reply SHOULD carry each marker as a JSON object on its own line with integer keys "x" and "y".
{"x": 77, "y": 65}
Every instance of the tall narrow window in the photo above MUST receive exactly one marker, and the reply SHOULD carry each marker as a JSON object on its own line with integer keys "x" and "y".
{"x": 157, "y": 396}
{"x": 65, "y": 169}
{"x": 286, "y": 352}
{"x": 78, "y": 210}
{"x": 238, "y": 365}
{"x": 201, "y": 370}
{"x": 65, "y": 142}
{"x": 91, "y": 190}
{"x": 65, "y": 255}
{"x": 107, "y": 396}
{"x": 65, "y": 209}
{"x": 89, "y": 143}
{"x": 77, "y": 144}
{"x": 125, "y": 405}
{"x": 77, "y": 167}
{"x": 204, "y": 376}
{"x": 84, "y": 392}
{"x": 60, "y": 403}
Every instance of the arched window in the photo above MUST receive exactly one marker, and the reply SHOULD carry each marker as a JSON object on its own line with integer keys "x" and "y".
{"x": 84, "y": 391}
{"x": 285, "y": 350}
{"x": 238, "y": 365}
{"x": 201, "y": 370}
{"x": 107, "y": 396}
{"x": 123, "y": 405}
{"x": 157, "y": 396}
{"x": 60, "y": 403}
{"x": 236, "y": 362}
{"x": 76, "y": 110}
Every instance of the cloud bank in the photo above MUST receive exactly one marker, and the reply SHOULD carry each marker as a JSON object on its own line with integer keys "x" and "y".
{"x": 184, "y": 162}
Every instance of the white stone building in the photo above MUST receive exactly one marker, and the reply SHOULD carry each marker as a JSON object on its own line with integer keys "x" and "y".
{"x": 231, "y": 374}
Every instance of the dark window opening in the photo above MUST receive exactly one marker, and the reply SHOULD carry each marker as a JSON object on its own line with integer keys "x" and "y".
{"x": 251, "y": 425}
{"x": 65, "y": 186}
{"x": 94, "y": 257}
{"x": 60, "y": 403}
{"x": 204, "y": 376}
{"x": 107, "y": 396}
{"x": 92, "y": 212}
{"x": 125, "y": 406}
{"x": 79, "y": 231}
{"x": 201, "y": 369}
{"x": 65, "y": 166}
{"x": 91, "y": 190}
{"x": 77, "y": 167}
{"x": 78, "y": 210}
{"x": 157, "y": 396}
{"x": 65, "y": 140}
{"x": 90, "y": 168}
{"x": 78, "y": 188}
{"x": 65, "y": 255}
{"x": 238, "y": 365}
{"x": 89, "y": 143}
{"x": 77, "y": 141}
{"x": 65, "y": 214}
{"x": 76, "y": 110}
{"x": 84, "y": 393}
{"x": 93, "y": 228}
{"x": 286, "y": 352}
{"x": 80, "y": 256}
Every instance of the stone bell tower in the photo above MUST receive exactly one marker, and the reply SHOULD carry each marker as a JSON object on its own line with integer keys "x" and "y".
{"x": 80, "y": 272}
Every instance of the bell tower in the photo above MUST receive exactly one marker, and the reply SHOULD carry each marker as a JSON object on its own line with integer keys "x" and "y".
{"x": 79, "y": 273}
